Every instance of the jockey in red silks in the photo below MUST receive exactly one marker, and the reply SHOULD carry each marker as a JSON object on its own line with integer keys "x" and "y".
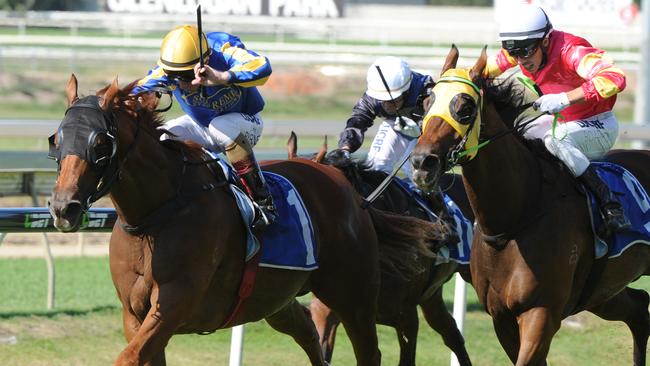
{"x": 225, "y": 116}
{"x": 575, "y": 78}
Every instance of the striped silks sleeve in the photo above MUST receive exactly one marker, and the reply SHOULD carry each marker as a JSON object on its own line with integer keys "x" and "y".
{"x": 247, "y": 67}
{"x": 602, "y": 78}
{"x": 155, "y": 77}
{"x": 499, "y": 63}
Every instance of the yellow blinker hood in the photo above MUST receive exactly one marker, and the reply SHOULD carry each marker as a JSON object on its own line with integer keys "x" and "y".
{"x": 452, "y": 83}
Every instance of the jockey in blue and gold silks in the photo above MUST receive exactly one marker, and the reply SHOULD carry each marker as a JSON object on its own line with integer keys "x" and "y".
{"x": 225, "y": 115}
{"x": 576, "y": 78}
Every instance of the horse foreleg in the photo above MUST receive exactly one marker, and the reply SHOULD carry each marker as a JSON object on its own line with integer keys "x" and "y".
{"x": 362, "y": 331}
{"x": 631, "y": 307}
{"x": 505, "y": 327}
{"x": 537, "y": 326}
{"x": 407, "y": 333}
{"x": 294, "y": 320}
{"x": 436, "y": 314}
{"x": 326, "y": 323}
{"x": 131, "y": 326}
{"x": 170, "y": 303}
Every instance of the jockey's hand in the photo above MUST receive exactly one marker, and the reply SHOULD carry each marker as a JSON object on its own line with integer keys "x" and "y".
{"x": 339, "y": 157}
{"x": 207, "y": 76}
{"x": 551, "y": 103}
{"x": 410, "y": 127}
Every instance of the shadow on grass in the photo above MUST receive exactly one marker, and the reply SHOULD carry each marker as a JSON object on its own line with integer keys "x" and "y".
{"x": 56, "y": 312}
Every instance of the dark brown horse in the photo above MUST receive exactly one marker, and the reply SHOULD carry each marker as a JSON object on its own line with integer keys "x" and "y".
{"x": 177, "y": 252}
{"x": 399, "y": 297}
{"x": 532, "y": 259}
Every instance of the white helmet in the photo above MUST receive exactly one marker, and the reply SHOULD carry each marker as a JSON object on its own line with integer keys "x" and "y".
{"x": 523, "y": 23}
{"x": 397, "y": 74}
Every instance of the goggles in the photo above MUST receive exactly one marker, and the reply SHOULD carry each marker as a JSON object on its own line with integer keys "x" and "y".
{"x": 517, "y": 49}
{"x": 186, "y": 76}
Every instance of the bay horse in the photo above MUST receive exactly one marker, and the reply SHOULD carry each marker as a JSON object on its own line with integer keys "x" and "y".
{"x": 177, "y": 251}
{"x": 533, "y": 257}
{"x": 399, "y": 297}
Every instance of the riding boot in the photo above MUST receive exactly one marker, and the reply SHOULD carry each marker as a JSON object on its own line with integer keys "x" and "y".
{"x": 613, "y": 213}
{"x": 444, "y": 216}
{"x": 240, "y": 154}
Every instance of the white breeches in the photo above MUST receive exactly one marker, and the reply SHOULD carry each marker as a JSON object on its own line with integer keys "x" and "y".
{"x": 576, "y": 142}
{"x": 386, "y": 150}
{"x": 221, "y": 132}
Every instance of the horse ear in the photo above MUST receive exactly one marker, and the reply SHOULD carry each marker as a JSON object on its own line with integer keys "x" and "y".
{"x": 292, "y": 145}
{"x": 322, "y": 152}
{"x": 479, "y": 66}
{"x": 109, "y": 95}
{"x": 71, "y": 90}
{"x": 451, "y": 60}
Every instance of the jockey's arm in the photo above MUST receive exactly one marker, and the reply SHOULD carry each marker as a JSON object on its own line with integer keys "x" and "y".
{"x": 498, "y": 64}
{"x": 603, "y": 78}
{"x": 155, "y": 78}
{"x": 363, "y": 116}
{"x": 247, "y": 68}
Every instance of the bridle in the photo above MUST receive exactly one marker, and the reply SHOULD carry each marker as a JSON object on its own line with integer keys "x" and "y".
{"x": 99, "y": 148}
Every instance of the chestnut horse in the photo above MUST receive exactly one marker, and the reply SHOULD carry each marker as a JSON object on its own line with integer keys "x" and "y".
{"x": 399, "y": 297}
{"x": 177, "y": 252}
{"x": 533, "y": 257}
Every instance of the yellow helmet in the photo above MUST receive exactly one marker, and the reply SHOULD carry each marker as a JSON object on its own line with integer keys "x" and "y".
{"x": 180, "y": 49}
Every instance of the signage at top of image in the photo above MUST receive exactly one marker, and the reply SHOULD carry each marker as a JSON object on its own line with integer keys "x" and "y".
{"x": 605, "y": 13}
{"x": 279, "y": 8}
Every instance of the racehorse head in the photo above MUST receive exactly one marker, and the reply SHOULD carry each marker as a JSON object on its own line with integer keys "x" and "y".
{"x": 86, "y": 149}
{"x": 452, "y": 123}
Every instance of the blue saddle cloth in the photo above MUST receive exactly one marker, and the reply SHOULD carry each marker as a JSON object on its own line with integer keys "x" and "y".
{"x": 636, "y": 204}
{"x": 289, "y": 242}
{"x": 464, "y": 228}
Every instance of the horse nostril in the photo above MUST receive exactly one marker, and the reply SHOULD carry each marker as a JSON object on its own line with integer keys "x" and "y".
{"x": 429, "y": 163}
{"x": 71, "y": 209}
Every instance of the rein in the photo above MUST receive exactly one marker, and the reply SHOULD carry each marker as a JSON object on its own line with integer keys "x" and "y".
{"x": 173, "y": 205}
{"x": 178, "y": 201}
{"x": 458, "y": 152}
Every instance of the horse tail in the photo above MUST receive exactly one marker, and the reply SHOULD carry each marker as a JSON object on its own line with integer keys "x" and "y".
{"x": 403, "y": 242}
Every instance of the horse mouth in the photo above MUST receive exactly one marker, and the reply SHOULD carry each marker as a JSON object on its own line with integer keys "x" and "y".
{"x": 425, "y": 180}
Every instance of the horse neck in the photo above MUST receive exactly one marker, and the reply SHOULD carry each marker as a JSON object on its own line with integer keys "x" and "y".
{"x": 148, "y": 177}
{"x": 501, "y": 180}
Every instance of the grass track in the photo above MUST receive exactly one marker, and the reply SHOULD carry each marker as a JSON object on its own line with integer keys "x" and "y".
{"x": 85, "y": 329}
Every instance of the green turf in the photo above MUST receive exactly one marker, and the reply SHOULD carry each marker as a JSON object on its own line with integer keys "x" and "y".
{"x": 85, "y": 328}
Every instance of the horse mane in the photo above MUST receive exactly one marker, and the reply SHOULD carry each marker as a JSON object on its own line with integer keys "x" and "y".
{"x": 352, "y": 169}
{"x": 143, "y": 107}
{"x": 509, "y": 97}
{"x": 512, "y": 100}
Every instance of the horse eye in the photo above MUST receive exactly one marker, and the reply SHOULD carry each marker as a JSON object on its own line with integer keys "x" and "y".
{"x": 101, "y": 139}
{"x": 463, "y": 108}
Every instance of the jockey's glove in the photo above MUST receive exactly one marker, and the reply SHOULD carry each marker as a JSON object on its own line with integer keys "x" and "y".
{"x": 339, "y": 157}
{"x": 408, "y": 127}
{"x": 551, "y": 103}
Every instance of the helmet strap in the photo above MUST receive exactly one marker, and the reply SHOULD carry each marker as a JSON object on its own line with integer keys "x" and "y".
{"x": 544, "y": 49}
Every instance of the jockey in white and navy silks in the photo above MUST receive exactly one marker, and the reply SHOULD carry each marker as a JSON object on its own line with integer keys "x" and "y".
{"x": 575, "y": 78}
{"x": 221, "y": 102}
{"x": 397, "y": 92}
{"x": 408, "y": 89}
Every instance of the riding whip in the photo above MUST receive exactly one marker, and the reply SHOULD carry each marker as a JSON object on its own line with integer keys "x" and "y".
{"x": 198, "y": 25}
{"x": 382, "y": 186}
{"x": 400, "y": 121}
